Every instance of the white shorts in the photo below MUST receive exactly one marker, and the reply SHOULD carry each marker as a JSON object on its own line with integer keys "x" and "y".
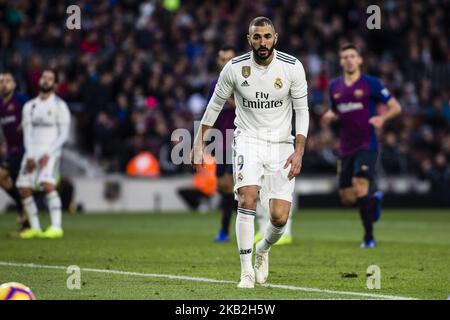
{"x": 261, "y": 163}
{"x": 48, "y": 174}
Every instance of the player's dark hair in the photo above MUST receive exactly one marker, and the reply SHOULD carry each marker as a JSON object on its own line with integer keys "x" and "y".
{"x": 260, "y": 22}
{"x": 55, "y": 73}
{"x": 348, "y": 46}
{"x": 7, "y": 71}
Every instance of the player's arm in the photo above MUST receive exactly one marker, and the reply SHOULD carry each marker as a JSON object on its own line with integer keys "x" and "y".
{"x": 27, "y": 137}
{"x": 329, "y": 115}
{"x": 393, "y": 110}
{"x": 222, "y": 91}
{"x": 379, "y": 93}
{"x": 63, "y": 124}
{"x": 299, "y": 95}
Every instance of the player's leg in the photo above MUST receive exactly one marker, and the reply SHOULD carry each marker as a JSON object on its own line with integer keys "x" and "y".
{"x": 228, "y": 204}
{"x": 345, "y": 174}
{"x": 279, "y": 214}
{"x": 263, "y": 217}
{"x": 287, "y": 238}
{"x": 7, "y": 182}
{"x": 25, "y": 184}
{"x": 361, "y": 186}
{"x": 31, "y": 210}
{"x": 248, "y": 171}
{"x": 262, "y": 211}
{"x": 14, "y": 166}
{"x": 245, "y": 230}
{"x": 47, "y": 180}
{"x": 363, "y": 173}
{"x": 280, "y": 191}
{"x": 378, "y": 199}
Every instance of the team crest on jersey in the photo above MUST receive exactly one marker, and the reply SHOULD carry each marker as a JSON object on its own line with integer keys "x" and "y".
{"x": 278, "y": 83}
{"x": 49, "y": 113}
{"x": 358, "y": 93}
{"x": 336, "y": 95}
{"x": 240, "y": 176}
{"x": 246, "y": 71}
{"x": 11, "y": 107}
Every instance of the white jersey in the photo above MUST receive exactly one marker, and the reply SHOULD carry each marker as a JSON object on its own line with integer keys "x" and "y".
{"x": 263, "y": 94}
{"x": 46, "y": 126}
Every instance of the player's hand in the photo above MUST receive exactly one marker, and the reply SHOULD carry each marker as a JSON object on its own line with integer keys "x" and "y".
{"x": 295, "y": 160}
{"x": 377, "y": 121}
{"x": 328, "y": 117}
{"x": 30, "y": 165}
{"x": 43, "y": 161}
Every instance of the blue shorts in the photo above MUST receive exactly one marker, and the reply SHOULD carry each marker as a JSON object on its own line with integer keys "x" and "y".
{"x": 360, "y": 164}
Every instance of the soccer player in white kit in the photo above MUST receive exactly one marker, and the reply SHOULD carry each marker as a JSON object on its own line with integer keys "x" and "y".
{"x": 45, "y": 123}
{"x": 267, "y": 84}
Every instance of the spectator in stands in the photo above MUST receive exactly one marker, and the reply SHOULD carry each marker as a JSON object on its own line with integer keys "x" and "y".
{"x": 438, "y": 173}
{"x": 137, "y": 70}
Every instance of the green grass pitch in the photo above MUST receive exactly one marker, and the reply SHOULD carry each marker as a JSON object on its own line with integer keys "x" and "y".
{"x": 413, "y": 254}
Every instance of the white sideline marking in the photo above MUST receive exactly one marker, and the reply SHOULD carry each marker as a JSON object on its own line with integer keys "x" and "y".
{"x": 201, "y": 279}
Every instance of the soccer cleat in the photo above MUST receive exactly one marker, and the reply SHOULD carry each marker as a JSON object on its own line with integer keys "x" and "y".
{"x": 258, "y": 237}
{"x": 285, "y": 239}
{"x": 30, "y": 233}
{"x": 378, "y": 201}
{"x": 261, "y": 266}
{"x": 369, "y": 244}
{"x": 222, "y": 236}
{"x": 247, "y": 280}
{"x": 53, "y": 233}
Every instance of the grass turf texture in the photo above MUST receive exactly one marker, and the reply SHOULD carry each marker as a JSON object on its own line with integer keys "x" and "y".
{"x": 413, "y": 254}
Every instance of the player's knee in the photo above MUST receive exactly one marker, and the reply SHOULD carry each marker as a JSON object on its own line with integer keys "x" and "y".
{"x": 47, "y": 187}
{"x": 279, "y": 216}
{"x": 247, "y": 199}
{"x": 347, "y": 196}
{"x": 224, "y": 185}
{"x": 348, "y": 200}
{"x": 228, "y": 183}
{"x": 361, "y": 186}
{"x": 279, "y": 221}
{"x": 220, "y": 186}
{"x": 25, "y": 192}
{"x": 279, "y": 212}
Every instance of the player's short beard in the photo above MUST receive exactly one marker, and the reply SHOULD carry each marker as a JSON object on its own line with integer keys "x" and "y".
{"x": 45, "y": 89}
{"x": 5, "y": 93}
{"x": 256, "y": 53}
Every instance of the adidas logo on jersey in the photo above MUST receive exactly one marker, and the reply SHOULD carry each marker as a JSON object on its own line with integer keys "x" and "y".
{"x": 245, "y": 84}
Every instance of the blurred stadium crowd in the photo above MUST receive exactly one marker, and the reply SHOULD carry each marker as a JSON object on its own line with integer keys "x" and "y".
{"x": 139, "y": 69}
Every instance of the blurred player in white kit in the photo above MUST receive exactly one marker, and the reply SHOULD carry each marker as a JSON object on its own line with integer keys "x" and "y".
{"x": 268, "y": 85}
{"x": 45, "y": 123}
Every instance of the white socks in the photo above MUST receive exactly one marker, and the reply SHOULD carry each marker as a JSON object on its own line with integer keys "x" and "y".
{"x": 54, "y": 206}
{"x": 272, "y": 235}
{"x": 32, "y": 212}
{"x": 245, "y": 233}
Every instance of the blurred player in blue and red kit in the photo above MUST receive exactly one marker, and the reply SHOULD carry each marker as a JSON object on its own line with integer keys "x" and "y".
{"x": 224, "y": 171}
{"x": 354, "y": 97}
{"x": 11, "y": 104}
